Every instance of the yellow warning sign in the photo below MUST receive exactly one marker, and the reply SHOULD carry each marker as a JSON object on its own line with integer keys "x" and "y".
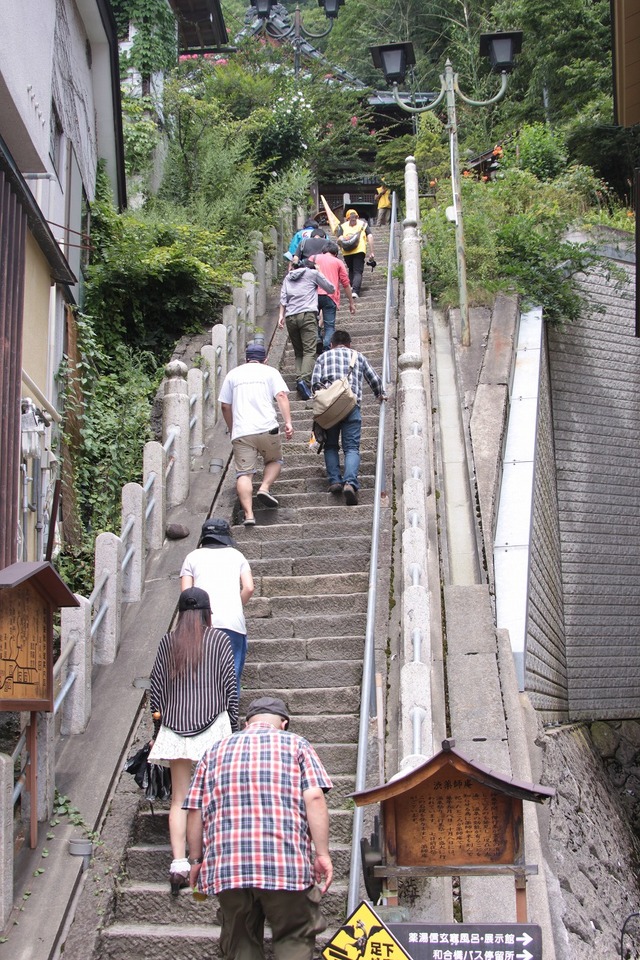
{"x": 363, "y": 936}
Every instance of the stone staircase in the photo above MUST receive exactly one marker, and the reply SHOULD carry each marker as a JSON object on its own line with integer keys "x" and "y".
{"x": 306, "y": 627}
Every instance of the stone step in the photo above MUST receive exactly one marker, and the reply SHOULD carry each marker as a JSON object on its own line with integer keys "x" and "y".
{"x": 307, "y": 566}
{"x": 305, "y": 524}
{"x": 317, "y": 500}
{"x": 307, "y": 702}
{"x": 314, "y": 482}
{"x": 284, "y": 545}
{"x": 150, "y": 829}
{"x": 138, "y": 941}
{"x": 305, "y": 674}
{"x": 307, "y": 586}
{"x": 318, "y": 625}
{"x": 153, "y": 901}
{"x": 297, "y": 606}
{"x": 315, "y": 648}
{"x": 146, "y": 860}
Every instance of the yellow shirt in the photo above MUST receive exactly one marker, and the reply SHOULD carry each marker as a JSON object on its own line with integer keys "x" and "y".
{"x": 384, "y": 198}
{"x": 348, "y": 231}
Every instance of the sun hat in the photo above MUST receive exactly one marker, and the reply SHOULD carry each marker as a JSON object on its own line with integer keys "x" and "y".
{"x": 215, "y": 530}
{"x": 349, "y": 212}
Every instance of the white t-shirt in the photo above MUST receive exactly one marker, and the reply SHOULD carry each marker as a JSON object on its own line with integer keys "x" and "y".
{"x": 251, "y": 389}
{"x": 217, "y": 570}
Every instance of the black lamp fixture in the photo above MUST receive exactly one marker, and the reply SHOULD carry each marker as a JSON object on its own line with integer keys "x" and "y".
{"x": 393, "y": 59}
{"x": 501, "y": 48}
{"x": 263, "y": 8}
{"x": 331, "y": 8}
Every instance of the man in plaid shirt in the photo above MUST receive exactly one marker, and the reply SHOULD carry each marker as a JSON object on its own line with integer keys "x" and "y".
{"x": 333, "y": 365}
{"x": 255, "y": 804}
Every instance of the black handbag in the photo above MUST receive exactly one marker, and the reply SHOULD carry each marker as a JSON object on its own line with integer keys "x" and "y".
{"x": 153, "y": 778}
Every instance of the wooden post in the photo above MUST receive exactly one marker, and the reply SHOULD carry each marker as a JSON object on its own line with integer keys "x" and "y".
{"x": 32, "y": 777}
{"x": 521, "y": 898}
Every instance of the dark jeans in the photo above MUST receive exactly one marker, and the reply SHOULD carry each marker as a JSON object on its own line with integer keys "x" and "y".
{"x": 329, "y": 310}
{"x": 348, "y": 430}
{"x": 238, "y": 643}
{"x": 355, "y": 266}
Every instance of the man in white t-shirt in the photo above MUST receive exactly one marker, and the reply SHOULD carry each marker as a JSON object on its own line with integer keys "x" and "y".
{"x": 217, "y": 567}
{"x": 246, "y": 399}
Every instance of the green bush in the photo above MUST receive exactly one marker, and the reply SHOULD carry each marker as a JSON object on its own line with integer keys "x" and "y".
{"x": 540, "y": 150}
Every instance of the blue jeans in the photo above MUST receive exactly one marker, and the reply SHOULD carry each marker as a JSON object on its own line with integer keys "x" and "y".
{"x": 349, "y": 431}
{"x": 239, "y": 650}
{"x": 329, "y": 310}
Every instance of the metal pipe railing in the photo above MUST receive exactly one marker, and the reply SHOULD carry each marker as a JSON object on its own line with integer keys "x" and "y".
{"x": 368, "y": 693}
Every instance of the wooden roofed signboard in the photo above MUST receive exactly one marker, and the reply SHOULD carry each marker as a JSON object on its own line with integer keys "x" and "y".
{"x": 29, "y": 593}
{"x": 452, "y": 816}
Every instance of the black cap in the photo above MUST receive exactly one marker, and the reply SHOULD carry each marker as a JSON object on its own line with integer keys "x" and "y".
{"x": 268, "y": 705}
{"x": 194, "y": 599}
{"x": 216, "y": 531}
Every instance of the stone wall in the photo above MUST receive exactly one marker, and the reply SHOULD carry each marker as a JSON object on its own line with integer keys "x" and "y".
{"x": 591, "y": 847}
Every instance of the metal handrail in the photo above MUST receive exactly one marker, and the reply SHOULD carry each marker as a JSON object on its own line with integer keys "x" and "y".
{"x": 367, "y": 693}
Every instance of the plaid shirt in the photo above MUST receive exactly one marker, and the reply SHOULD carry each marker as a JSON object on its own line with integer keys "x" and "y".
{"x": 334, "y": 364}
{"x": 250, "y": 788}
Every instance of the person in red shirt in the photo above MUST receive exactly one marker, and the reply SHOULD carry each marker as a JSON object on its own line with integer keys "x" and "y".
{"x": 334, "y": 270}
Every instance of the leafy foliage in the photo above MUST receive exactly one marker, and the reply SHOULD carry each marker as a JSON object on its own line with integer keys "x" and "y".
{"x": 514, "y": 237}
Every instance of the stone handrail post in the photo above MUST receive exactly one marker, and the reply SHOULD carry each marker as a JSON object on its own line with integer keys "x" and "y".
{"x": 6, "y": 839}
{"x": 175, "y": 418}
{"x": 154, "y": 464}
{"x": 219, "y": 343}
{"x": 195, "y": 389}
{"x": 249, "y": 284}
{"x": 259, "y": 269}
{"x": 106, "y": 630}
{"x": 240, "y": 303}
{"x": 273, "y": 263}
{"x": 230, "y": 323}
{"x": 210, "y": 357}
{"x": 134, "y": 502}
{"x": 75, "y": 629}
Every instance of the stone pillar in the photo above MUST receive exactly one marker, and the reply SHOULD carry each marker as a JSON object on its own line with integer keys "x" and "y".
{"x": 230, "y": 321}
{"x": 212, "y": 386}
{"x": 259, "y": 269}
{"x": 6, "y": 839}
{"x": 154, "y": 462}
{"x": 249, "y": 284}
{"x": 46, "y": 769}
{"x": 175, "y": 419}
{"x": 106, "y": 637}
{"x": 411, "y": 189}
{"x": 219, "y": 342}
{"x": 75, "y": 623}
{"x": 195, "y": 389}
{"x": 276, "y": 258}
{"x": 240, "y": 303}
{"x": 134, "y": 503}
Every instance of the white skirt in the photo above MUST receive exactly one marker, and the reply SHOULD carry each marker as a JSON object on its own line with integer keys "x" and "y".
{"x": 169, "y": 745}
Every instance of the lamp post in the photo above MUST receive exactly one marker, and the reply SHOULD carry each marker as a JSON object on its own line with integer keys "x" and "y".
{"x": 394, "y": 59}
{"x": 297, "y": 30}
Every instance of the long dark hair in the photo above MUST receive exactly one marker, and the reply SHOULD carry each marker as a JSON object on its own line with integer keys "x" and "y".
{"x": 186, "y": 641}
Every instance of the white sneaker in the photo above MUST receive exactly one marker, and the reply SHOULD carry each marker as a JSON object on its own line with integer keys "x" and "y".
{"x": 355, "y": 296}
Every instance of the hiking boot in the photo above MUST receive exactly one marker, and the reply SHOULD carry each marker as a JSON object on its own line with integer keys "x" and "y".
{"x": 350, "y": 495}
{"x": 335, "y": 488}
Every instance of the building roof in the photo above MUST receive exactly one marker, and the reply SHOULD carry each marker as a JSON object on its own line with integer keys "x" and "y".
{"x": 201, "y": 26}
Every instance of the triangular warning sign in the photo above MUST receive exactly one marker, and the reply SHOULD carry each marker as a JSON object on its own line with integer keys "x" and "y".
{"x": 363, "y": 936}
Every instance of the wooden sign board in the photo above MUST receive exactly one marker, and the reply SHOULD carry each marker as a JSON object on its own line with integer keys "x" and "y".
{"x": 452, "y": 819}
{"x": 26, "y": 650}
{"x": 29, "y": 592}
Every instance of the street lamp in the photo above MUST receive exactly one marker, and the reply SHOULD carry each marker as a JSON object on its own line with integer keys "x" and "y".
{"x": 296, "y": 30}
{"x": 394, "y": 59}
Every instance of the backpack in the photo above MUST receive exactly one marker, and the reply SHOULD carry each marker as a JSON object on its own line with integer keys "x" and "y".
{"x": 333, "y": 403}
